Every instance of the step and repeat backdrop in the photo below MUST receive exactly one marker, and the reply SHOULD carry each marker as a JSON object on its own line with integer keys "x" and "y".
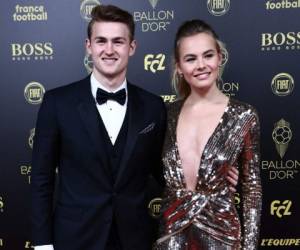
{"x": 42, "y": 47}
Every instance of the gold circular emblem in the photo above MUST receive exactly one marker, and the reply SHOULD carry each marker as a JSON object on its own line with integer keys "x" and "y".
{"x": 218, "y": 8}
{"x": 225, "y": 56}
{"x": 34, "y": 92}
{"x": 282, "y": 84}
{"x": 86, "y": 7}
{"x": 88, "y": 63}
{"x": 154, "y": 207}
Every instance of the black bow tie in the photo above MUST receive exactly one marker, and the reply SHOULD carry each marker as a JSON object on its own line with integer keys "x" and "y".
{"x": 102, "y": 96}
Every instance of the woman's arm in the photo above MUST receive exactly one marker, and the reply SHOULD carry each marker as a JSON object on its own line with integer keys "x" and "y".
{"x": 251, "y": 185}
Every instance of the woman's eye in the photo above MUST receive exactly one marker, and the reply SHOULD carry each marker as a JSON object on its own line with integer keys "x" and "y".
{"x": 190, "y": 59}
{"x": 209, "y": 55}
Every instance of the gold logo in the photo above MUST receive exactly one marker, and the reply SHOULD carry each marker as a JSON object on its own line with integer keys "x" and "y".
{"x": 153, "y": 3}
{"x": 218, "y": 7}
{"x": 154, "y": 62}
{"x": 86, "y": 7}
{"x": 34, "y": 93}
{"x": 28, "y": 245}
{"x": 1, "y": 204}
{"x": 237, "y": 200}
{"x": 31, "y": 137}
{"x": 168, "y": 98}
{"x": 28, "y": 51}
{"x": 282, "y": 4}
{"x": 25, "y": 170}
{"x": 154, "y": 207}
{"x": 280, "y": 209}
{"x": 282, "y": 84}
{"x": 88, "y": 63}
{"x": 282, "y": 135}
{"x": 280, "y": 41}
{"x": 280, "y": 242}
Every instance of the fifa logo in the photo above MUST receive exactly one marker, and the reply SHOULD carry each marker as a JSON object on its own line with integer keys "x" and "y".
{"x": 154, "y": 63}
{"x": 218, "y": 7}
{"x": 280, "y": 209}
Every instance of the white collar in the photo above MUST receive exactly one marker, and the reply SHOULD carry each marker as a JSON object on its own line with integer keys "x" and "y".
{"x": 95, "y": 84}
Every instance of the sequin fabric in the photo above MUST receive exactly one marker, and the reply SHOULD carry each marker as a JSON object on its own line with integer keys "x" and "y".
{"x": 207, "y": 218}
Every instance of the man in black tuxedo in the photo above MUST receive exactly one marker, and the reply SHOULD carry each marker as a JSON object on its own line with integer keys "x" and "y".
{"x": 105, "y": 136}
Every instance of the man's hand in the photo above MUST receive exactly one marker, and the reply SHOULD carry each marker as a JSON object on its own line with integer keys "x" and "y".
{"x": 233, "y": 177}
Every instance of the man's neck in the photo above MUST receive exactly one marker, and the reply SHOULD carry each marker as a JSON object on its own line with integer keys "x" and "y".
{"x": 109, "y": 83}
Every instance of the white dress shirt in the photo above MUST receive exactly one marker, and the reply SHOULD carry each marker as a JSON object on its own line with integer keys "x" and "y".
{"x": 112, "y": 114}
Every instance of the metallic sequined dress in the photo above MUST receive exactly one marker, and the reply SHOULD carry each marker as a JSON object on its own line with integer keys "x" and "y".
{"x": 207, "y": 218}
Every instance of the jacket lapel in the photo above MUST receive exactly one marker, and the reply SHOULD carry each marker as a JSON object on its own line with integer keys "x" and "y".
{"x": 135, "y": 114}
{"x": 90, "y": 118}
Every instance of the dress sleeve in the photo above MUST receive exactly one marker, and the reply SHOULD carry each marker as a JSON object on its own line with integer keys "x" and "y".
{"x": 251, "y": 184}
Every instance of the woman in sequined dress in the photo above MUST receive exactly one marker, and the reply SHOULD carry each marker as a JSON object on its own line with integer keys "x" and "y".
{"x": 207, "y": 132}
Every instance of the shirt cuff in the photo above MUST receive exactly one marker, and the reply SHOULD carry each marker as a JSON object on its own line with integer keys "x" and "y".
{"x": 44, "y": 247}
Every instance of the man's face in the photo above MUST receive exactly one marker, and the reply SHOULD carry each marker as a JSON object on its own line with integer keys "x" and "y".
{"x": 110, "y": 48}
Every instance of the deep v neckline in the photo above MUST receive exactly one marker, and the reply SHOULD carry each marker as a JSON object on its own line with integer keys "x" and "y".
{"x": 220, "y": 122}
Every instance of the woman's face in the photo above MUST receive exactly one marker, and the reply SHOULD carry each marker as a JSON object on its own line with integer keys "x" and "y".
{"x": 199, "y": 61}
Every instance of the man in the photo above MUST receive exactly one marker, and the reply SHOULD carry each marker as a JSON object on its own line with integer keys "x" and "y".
{"x": 105, "y": 147}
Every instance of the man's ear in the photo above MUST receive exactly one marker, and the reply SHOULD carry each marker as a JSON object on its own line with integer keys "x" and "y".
{"x": 88, "y": 45}
{"x": 133, "y": 45}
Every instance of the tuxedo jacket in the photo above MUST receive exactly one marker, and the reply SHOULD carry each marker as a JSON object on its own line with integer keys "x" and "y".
{"x": 67, "y": 137}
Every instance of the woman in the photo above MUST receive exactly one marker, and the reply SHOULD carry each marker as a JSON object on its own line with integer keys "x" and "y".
{"x": 207, "y": 132}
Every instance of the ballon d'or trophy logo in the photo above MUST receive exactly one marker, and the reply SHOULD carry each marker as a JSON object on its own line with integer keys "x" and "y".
{"x": 153, "y": 3}
{"x": 282, "y": 135}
